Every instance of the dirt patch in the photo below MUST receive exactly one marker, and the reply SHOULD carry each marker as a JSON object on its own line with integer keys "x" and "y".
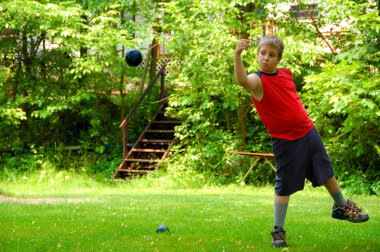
{"x": 44, "y": 200}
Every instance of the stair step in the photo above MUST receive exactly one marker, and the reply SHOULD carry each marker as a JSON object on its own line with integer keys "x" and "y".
{"x": 155, "y": 140}
{"x": 166, "y": 122}
{"x": 147, "y": 150}
{"x": 135, "y": 171}
{"x": 143, "y": 160}
{"x": 159, "y": 131}
{"x": 151, "y": 147}
{"x": 147, "y": 168}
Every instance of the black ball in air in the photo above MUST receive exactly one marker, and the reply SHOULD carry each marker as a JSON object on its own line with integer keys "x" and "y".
{"x": 133, "y": 57}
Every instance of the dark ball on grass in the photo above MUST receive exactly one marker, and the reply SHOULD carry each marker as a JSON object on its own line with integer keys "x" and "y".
{"x": 133, "y": 57}
{"x": 162, "y": 229}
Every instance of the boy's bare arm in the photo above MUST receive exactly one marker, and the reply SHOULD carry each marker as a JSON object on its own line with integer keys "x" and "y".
{"x": 250, "y": 82}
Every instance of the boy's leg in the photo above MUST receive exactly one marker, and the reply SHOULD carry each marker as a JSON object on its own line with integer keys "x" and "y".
{"x": 332, "y": 185}
{"x": 280, "y": 209}
{"x": 344, "y": 209}
{"x": 333, "y": 188}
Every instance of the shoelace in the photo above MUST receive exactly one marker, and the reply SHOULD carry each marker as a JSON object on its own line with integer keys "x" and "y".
{"x": 352, "y": 209}
{"x": 278, "y": 235}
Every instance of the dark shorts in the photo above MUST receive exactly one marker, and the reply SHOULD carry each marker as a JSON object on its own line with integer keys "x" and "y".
{"x": 301, "y": 159}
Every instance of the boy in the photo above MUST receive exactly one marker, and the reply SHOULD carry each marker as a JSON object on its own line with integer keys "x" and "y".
{"x": 298, "y": 148}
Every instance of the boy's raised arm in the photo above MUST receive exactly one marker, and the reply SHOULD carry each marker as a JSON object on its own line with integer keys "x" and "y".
{"x": 250, "y": 82}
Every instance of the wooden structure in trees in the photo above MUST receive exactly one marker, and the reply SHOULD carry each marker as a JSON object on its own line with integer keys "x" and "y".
{"x": 154, "y": 143}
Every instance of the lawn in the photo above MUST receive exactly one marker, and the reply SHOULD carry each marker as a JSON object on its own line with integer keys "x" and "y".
{"x": 83, "y": 215}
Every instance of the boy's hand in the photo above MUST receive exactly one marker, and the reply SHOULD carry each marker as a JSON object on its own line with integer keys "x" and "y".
{"x": 243, "y": 44}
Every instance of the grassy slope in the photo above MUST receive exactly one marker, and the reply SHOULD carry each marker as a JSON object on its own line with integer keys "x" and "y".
{"x": 209, "y": 219}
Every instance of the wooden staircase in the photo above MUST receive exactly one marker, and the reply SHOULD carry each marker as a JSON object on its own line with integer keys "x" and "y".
{"x": 150, "y": 148}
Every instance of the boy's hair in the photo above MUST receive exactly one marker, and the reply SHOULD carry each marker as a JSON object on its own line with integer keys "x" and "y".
{"x": 274, "y": 41}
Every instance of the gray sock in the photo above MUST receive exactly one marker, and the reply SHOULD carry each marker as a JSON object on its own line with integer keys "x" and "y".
{"x": 338, "y": 198}
{"x": 279, "y": 214}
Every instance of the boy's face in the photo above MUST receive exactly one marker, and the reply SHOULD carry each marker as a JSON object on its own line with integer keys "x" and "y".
{"x": 268, "y": 58}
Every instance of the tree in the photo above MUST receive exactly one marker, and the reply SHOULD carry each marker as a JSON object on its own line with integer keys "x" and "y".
{"x": 210, "y": 103}
{"x": 345, "y": 97}
{"x": 60, "y": 70}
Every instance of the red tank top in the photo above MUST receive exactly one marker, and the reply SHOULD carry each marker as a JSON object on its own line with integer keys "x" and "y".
{"x": 281, "y": 110}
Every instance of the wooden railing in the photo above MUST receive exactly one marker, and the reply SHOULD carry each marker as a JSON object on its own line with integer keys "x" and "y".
{"x": 124, "y": 123}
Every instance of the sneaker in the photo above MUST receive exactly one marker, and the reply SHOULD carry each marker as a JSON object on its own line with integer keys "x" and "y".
{"x": 278, "y": 237}
{"x": 350, "y": 212}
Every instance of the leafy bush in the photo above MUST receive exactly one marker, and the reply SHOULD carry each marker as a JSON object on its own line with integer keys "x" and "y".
{"x": 59, "y": 63}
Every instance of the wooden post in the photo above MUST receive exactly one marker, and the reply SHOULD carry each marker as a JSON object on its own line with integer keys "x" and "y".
{"x": 125, "y": 141}
{"x": 163, "y": 83}
{"x": 155, "y": 51}
{"x": 250, "y": 169}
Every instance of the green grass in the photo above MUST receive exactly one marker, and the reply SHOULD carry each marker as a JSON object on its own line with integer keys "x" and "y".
{"x": 124, "y": 216}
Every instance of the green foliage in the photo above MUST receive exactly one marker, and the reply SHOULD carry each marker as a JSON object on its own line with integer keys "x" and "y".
{"x": 344, "y": 100}
{"x": 59, "y": 63}
{"x": 205, "y": 97}
{"x": 60, "y": 60}
{"x": 97, "y": 162}
{"x": 358, "y": 183}
{"x": 341, "y": 86}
